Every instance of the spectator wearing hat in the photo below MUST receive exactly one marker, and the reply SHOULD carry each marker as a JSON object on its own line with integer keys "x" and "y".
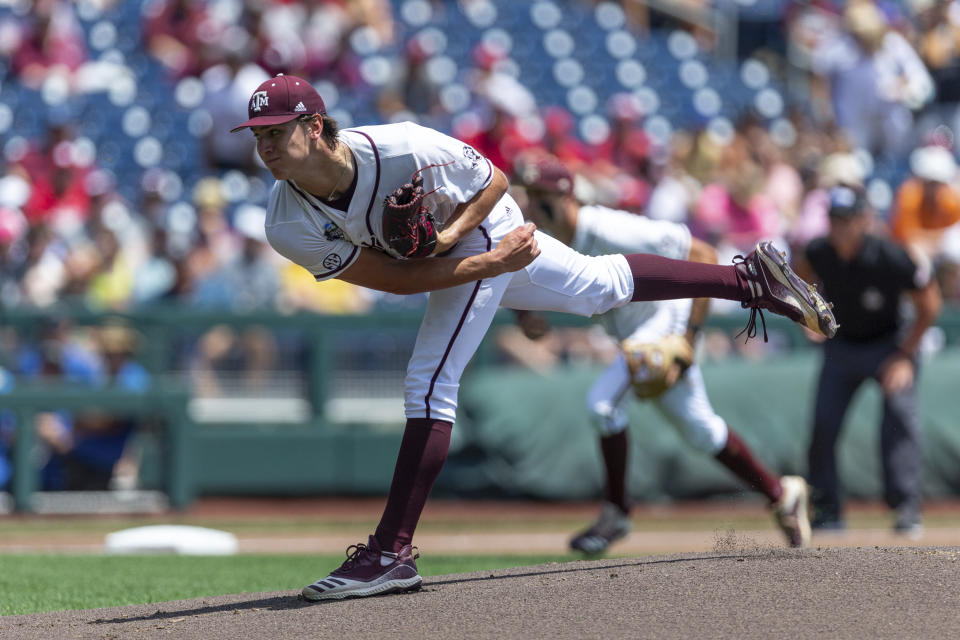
{"x": 865, "y": 275}
{"x": 836, "y": 169}
{"x": 928, "y": 202}
{"x": 874, "y": 79}
{"x": 47, "y": 40}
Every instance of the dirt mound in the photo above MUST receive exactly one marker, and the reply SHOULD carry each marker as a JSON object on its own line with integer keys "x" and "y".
{"x": 727, "y": 593}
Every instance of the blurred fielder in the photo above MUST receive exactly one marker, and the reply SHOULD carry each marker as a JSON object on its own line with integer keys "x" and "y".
{"x": 656, "y": 361}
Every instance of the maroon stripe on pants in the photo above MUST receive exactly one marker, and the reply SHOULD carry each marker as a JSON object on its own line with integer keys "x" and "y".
{"x": 456, "y": 332}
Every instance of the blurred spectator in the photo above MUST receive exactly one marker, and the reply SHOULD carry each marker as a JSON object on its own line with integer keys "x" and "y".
{"x": 928, "y": 202}
{"x": 13, "y": 228}
{"x": 110, "y": 285}
{"x": 48, "y": 40}
{"x": 88, "y": 447}
{"x": 560, "y": 137}
{"x": 155, "y": 277}
{"x": 175, "y": 33}
{"x": 674, "y": 190}
{"x": 56, "y": 171}
{"x": 624, "y": 155}
{"x": 249, "y": 279}
{"x": 782, "y": 184}
{"x": 627, "y": 147}
{"x": 734, "y": 210}
{"x": 231, "y": 362}
{"x": 7, "y": 433}
{"x": 299, "y": 290}
{"x": 875, "y": 80}
{"x": 813, "y": 221}
{"x": 926, "y": 214}
{"x": 412, "y": 94}
{"x": 214, "y": 244}
{"x": 43, "y": 271}
{"x": 226, "y": 88}
{"x": 937, "y": 39}
{"x": 312, "y": 39}
{"x": 493, "y": 128}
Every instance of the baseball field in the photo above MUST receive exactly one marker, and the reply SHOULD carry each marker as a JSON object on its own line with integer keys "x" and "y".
{"x": 714, "y": 569}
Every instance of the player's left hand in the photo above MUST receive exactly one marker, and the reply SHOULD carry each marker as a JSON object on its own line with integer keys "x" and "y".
{"x": 896, "y": 373}
{"x": 518, "y": 248}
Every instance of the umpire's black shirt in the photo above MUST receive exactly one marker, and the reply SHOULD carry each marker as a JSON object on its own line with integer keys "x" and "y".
{"x": 865, "y": 291}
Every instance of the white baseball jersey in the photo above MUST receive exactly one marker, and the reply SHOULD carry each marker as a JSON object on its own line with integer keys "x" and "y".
{"x": 306, "y": 230}
{"x": 685, "y": 405}
{"x": 326, "y": 242}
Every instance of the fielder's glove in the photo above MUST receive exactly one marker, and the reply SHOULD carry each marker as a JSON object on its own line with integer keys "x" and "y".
{"x": 409, "y": 229}
{"x": 656, "y": 366}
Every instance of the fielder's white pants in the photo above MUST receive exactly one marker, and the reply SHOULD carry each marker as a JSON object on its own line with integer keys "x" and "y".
{"x": 685, "y": 405}
{"x": 456, "y": 319}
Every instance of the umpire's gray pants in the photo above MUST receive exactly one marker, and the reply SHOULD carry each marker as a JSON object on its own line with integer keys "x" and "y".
{"x": 846, "y": 366}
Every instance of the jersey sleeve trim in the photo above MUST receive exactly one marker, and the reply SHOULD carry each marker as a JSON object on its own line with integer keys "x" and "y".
{"x": 343, "y": 265}
{"x": 376, "y": 182}
{"x": 346, "y": 263}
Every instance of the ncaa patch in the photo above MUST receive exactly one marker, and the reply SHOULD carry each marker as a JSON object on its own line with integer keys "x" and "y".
{"x": 332, "y": 232}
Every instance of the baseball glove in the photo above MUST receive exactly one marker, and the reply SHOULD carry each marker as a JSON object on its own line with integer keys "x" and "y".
{"x": 656, "y": 366}
{"x": 409, "y": 229}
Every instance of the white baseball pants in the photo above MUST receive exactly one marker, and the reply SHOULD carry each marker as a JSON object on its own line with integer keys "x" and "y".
{"x": 456, "y": 319}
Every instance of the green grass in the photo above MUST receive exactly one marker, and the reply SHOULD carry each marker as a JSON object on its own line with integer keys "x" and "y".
{"x": 38, "y": 583}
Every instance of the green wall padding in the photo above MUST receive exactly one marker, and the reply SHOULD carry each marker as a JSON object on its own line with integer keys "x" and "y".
{"x": 522, "y": 434}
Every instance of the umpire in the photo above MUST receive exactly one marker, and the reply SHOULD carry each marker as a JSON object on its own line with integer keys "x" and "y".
{"x": 864, "y": 275}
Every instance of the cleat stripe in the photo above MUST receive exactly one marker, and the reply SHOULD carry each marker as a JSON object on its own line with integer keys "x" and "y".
{"x": 327, "y": 584}
{"x": 339, "y": 582}
{"x": 315, "y": 588}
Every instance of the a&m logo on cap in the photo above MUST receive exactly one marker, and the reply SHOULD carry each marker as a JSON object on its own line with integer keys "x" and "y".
{"x": 258, "y": 101}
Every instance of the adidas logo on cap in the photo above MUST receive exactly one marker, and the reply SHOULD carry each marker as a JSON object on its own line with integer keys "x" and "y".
{"x": 300, "y": 107}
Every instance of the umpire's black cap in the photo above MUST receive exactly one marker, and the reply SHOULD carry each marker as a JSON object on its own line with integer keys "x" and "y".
{"x": 846, "y": 202}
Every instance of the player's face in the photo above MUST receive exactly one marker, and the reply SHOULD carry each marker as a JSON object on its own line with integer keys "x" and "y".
{"x": 282, "y": 147}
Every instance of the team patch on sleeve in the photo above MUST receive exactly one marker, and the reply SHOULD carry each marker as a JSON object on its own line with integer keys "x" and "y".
{"x": 334, "y": 263}
{"x": 471, "y": 154}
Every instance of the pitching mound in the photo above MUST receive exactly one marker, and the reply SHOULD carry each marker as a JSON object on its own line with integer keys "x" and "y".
{"x": 770, "y": 593}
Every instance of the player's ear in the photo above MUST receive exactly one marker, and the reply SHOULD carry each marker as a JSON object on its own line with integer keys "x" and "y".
{"x": 314, "y": 125}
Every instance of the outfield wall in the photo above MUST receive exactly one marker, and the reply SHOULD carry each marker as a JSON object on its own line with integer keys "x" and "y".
{"x": 520, "y": 433}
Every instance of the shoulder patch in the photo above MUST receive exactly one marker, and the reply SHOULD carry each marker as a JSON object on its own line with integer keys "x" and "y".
{"x": 471, "y": 154}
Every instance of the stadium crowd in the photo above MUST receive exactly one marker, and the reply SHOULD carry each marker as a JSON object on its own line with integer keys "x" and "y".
{"x": 68, "y": 232}
{"x": 122, "y": 188}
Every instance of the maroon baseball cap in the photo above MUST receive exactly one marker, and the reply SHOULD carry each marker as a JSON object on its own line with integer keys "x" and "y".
{"x": 544, "y": 172}
{"x": 281, "y": 99}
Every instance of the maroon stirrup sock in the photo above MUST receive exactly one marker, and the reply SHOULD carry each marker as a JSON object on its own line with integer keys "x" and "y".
{"x": 659, "y": 278}
{"x": 423, "y": 451}
{"x": 738, "y": 458}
